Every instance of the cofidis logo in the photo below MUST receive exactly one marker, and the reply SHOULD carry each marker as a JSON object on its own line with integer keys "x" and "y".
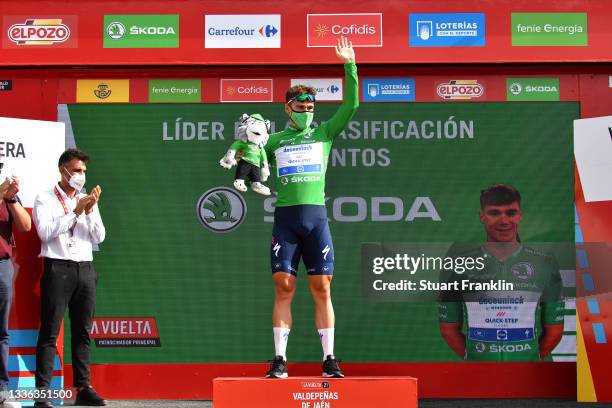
{"x": 242, "y": 31}
{"x": 388, "y": 89}
{"x": 28, "y": 32}
{"x": 362, "y": 29}
{"x": 246, "y": 90}
{"x": 447, "y": 30}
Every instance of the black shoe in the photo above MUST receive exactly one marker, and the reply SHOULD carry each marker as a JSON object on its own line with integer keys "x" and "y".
{"x": 88, "y": 396}
{"x": 45, "y": 404}
{"x": 278, "y": 369}
{"x": 331, "y": 368}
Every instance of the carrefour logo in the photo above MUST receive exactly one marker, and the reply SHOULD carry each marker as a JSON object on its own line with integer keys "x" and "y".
{"x": 447, "y": 30}
{"x": 242, "y": 31}
{"x": 268, "y": 31}
{"x": 328, "y": 89}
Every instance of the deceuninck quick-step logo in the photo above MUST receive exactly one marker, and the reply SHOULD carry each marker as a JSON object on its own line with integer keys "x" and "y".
{"x": 242, "y": 31}
{"x": 141, "y": 31}
{"x": 549, "y": 29}
{"x": 447, "y": 30}
{"x": 221, "y": 209}
{"x": 388, "y": 89}
{"x": 532, "y": 89}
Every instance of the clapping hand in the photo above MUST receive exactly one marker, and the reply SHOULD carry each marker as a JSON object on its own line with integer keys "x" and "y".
{"x": 4, "y": 187}
{"x": 13, "y": 188}
{"x": 95, "y": 197}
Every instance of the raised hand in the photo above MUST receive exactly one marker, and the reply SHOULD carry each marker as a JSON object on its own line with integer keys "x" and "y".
{"x": 344, "y": 50}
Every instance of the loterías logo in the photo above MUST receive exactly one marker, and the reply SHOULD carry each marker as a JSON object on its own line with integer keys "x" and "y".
{"x": 42, "y": 32}
{"x": 363, "y": 29}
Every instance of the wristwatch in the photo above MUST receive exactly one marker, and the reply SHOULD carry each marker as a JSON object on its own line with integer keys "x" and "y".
{"x": 10, "y": 201}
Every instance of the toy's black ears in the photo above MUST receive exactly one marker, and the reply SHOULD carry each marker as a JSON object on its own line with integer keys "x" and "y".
{"x": 267, "y": 122}
{"x": 244, "y": 117}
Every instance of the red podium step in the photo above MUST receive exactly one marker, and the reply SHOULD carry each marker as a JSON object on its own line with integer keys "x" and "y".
{"x": 315, "y": 392}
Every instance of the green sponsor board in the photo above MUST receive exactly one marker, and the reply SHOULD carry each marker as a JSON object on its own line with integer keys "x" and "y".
{"x": 175, "y": 90}
{"x": 141, "y": 31}
{"x": 184, "y": 248}
{"x": 532, "y": 89}
{"x": 549, "y": 29}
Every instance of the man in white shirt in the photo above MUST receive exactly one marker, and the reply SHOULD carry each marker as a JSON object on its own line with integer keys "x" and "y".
{"x": 68, "y": 223}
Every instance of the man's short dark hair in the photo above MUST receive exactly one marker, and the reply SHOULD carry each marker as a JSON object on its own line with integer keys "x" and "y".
{"x": 298, "y": 90}
{"x": 499, "y": 194}
{"x": 72, "y": 154}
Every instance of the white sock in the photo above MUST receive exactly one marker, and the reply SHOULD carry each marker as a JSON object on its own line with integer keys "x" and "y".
{"x": 327, "y": 341}
{"x": 281, "y": 336}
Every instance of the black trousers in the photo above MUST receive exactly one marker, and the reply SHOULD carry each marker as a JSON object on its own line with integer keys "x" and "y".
{"x": 72, "y": 284}
{"x": 248, "y": 171}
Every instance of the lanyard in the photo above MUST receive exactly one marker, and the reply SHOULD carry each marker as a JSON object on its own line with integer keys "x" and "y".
{"x": 66, "y": 210}
{"x": 61, "y": 200}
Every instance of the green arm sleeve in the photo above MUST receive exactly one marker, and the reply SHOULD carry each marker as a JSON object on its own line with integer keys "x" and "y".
{"x": 349, "y": 105}
{"x": 264, "y": 157}
{"x": 553, "y": 307}
{"x": 237, "y": 145}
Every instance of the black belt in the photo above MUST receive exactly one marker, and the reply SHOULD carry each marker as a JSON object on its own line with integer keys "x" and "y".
{"x": 5, "y": 257}
{"x": 68, "y": 261}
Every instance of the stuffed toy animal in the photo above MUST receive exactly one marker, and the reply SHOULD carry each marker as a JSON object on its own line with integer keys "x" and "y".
{"x": 253, "y": 134}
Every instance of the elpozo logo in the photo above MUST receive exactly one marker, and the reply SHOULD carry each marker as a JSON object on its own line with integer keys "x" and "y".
{"x": 221, "y": 209}
{"x": 362, "y": 29}
{"x": 23, "y": 32}
{"x": 141, "y": 31}
{"x": 242, "y": 31}
{"x": 460, "y": 89}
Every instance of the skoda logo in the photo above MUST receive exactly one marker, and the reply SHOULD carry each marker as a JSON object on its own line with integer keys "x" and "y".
{"x": 516, "y": 88}
{"x": 221, "y": 209}
{"x": 523, "y": 270}
{"x": 480, "y": 347}
{"x": 115, "y": 30}
{"x": 284, "y": 181}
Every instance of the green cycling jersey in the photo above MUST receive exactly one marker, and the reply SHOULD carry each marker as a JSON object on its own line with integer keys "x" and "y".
{"x": 506, "y": 325}
{"x": 300, "y": 156}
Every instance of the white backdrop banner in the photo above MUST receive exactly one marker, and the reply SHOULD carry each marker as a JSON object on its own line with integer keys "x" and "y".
{"x": 593, "y": 152}
{"x": 30, "y": 149}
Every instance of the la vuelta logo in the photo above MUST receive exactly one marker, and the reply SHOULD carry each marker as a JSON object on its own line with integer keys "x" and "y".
{"x": 125, "y": 332}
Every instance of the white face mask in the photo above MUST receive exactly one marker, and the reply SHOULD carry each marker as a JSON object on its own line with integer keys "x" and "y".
{"x": 76, "y": 181}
